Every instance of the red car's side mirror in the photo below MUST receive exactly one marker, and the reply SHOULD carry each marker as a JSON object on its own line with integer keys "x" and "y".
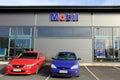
{"x": 38, "y": 58}
{"x": 15, "y": 57}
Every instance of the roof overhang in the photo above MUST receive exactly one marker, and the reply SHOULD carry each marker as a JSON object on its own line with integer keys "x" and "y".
{"x": 33, "y": 9}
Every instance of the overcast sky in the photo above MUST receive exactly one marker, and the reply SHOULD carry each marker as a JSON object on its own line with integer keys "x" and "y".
{"x": 59, "y": 2}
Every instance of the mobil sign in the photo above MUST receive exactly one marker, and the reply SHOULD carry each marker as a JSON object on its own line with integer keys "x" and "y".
{"x": 64, "y": 17}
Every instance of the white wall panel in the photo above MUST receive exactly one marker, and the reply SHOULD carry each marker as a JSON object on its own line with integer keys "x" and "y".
{"x": 106, "y": 19}
{"x": 17, "y": 19}
{"x": 49, "y": 47}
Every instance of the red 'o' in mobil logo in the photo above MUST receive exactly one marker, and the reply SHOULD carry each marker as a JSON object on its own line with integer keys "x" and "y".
{"x": 64, "y": 16}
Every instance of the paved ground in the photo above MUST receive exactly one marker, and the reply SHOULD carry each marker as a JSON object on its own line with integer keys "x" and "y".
{"x": 87, "y": 73}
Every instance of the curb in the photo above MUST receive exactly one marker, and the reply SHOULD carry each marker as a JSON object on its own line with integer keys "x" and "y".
{"x": 95, "y": 64}
{"x": 100, "y": 64}
{"x": 3, "y": 62}
{"x": 81, "y": 64}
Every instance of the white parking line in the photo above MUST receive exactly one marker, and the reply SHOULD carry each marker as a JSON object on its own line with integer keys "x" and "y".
{"x": 92, "y": 73}
{"x": 1, "y": 76}
{"x": 116, "y": 68}
{"x": 47, "y": 78}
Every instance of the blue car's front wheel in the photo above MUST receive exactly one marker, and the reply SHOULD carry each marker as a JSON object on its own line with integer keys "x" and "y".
{"x": 51, "y": 75}
{"x": 77, "y": 75}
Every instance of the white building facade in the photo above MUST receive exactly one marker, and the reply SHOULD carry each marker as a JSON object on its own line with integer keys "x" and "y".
{"x": 92, "y": 34}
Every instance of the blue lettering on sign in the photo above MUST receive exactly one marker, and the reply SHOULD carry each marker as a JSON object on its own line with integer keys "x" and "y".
{"x": 64, "y": 17}
{"x": 71, "y": 17}
{"x": 54, "y": 16}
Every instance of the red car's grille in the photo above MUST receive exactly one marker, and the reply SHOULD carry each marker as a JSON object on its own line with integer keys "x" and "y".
{"x": 18, "y": 66}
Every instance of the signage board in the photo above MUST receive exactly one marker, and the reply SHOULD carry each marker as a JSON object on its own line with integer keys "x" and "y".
{"x": 64, "y": 17}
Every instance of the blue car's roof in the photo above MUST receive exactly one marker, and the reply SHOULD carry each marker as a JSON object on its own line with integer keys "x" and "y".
{"x": 66, "y": 56}
{"x": 66, "y": 52}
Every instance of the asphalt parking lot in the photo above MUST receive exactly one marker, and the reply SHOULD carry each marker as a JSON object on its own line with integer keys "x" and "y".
{"x": 87, "y": 73}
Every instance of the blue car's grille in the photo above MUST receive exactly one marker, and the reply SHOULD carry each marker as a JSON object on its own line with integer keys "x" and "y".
{"x": 63, "y": 74}
{"x": 63, "y": 68}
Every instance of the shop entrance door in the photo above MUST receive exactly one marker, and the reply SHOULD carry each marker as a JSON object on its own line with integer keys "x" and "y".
{"x": 117, "y": 49}
{"x": 19, "y": 45}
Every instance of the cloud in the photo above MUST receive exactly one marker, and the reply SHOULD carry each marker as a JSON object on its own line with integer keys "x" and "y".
{"x": 25, "y": 2}
{"x": 60, "y": 2}
{"x": 48, "y": 2}
{"x": 111, "y": 2}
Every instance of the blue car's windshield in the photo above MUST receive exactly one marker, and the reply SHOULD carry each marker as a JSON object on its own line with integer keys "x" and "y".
{"x": 65, "y": 56}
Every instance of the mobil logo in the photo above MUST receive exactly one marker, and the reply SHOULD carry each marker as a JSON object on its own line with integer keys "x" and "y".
{"x": 64, "y": 16}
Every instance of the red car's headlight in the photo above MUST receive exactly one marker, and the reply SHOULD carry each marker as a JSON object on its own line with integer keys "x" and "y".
{"x": 9, "y": 64}
{"x": 29, "y": 65}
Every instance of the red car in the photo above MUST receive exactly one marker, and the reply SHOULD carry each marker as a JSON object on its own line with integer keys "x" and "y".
{"x": 28, "y": 62}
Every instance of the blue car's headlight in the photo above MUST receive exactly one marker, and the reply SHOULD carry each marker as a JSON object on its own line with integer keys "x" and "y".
{"x": 75, "y": 66}
{"x": 53, "y": 66}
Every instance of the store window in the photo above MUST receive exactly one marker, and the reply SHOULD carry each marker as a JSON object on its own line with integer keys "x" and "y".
{"x": 4, "y": 39}
{"x": 20, "y": 31}
{"x": 107, "y": 44}
{"x": 14, "y": 40}
{"x": 63, "y": 31}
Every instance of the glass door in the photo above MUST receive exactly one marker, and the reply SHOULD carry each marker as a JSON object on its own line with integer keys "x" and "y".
{"x": 20, "y": 39}
{"x": 116, "y": 38}
{"x": 117, "y": 49}
{"x": 19, "y": 45}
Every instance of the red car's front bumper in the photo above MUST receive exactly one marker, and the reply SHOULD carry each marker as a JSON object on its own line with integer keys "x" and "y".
{"x": 24, "y": 70}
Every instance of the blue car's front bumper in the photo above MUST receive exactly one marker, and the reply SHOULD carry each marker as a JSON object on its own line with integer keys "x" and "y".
{"x": 68, "y": 72}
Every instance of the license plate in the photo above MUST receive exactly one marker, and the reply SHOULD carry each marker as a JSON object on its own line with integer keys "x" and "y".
{"x": 63, "y": 71}
{"x": 17, "y": 70}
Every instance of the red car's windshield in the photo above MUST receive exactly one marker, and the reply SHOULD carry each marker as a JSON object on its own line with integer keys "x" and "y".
{"x": 28, "y": 55}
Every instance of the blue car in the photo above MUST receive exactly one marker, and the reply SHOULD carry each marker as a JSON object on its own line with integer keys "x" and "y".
{"x": 65, "y": 64}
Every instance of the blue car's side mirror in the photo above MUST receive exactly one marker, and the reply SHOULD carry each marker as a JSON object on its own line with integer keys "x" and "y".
{"x": 53, "y": 58}
{"x": 79, "y": 58}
